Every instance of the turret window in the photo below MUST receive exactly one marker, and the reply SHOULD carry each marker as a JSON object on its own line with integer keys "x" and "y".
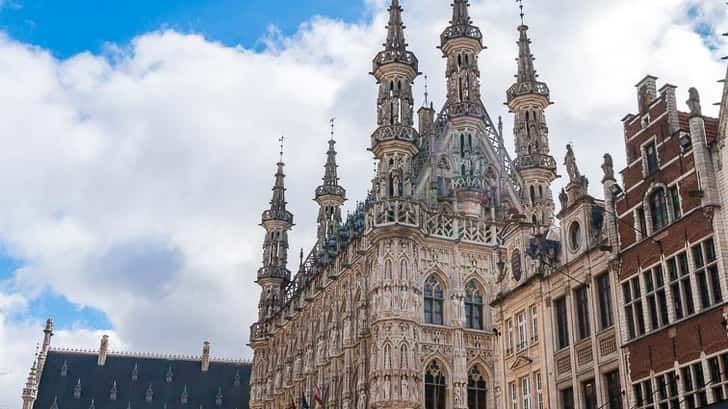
{"x": 434, "y": 387}
{"x": 434, "y": 300}
{"x": 473, "y": 306}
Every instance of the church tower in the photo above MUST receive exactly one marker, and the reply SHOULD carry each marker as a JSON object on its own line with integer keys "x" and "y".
{"x": 394, "y": 142}
{"x": 528, "y": 99}
{"x": 329, "y": 196}
{"x": 274, "y": 275}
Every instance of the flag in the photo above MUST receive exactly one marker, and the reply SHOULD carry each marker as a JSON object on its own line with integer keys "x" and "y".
{"x": 317, "y": 395}
{"x": 304, "y": 403}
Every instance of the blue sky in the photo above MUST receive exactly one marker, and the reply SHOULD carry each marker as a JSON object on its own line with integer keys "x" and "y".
{"x": 71, "y": 26}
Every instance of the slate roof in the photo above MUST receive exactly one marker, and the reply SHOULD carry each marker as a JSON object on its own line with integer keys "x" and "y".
{"x": 63, "y": 369}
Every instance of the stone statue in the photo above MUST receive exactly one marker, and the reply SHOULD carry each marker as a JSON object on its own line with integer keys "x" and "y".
{"x": 564, "y": 199}
{"x": 694, "y": 102}
{"x": 570, "y": 163}
{"x": 608, "y": 167}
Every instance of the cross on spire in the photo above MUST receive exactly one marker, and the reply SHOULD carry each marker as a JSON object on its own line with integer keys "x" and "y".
{"x": 520, "y": 6}
{"x": 282, "y": 140}
{"x": 427, "y": 94}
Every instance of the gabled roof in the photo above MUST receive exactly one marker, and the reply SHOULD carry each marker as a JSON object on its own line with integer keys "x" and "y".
{"x": 224, "y": 385}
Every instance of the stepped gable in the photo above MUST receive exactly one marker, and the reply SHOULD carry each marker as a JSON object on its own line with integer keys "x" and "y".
{"x": 224, "y": 385}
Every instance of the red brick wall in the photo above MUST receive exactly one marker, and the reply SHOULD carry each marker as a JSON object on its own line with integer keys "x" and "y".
{"x": 705, "y": 332}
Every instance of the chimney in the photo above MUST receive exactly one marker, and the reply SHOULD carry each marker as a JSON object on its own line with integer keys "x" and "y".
{"x": 668, "y": 93}
{"x": 103, "y": 350}
{"x": 205, "y": 356}
{"x": 646, "y": 93}
{"x": 426, "y": 117}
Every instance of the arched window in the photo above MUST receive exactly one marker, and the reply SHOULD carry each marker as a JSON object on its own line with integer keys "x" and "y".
{"x": 658, "y": 209}
{"x": 477, "y": 389}
{"x": 473, "y": 306}
{"x": 533, "y": 194}
{"x": 434, "y": 387}
{"x": 434, "y": 297}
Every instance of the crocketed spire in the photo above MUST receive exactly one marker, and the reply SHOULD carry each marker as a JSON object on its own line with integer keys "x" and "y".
{"x": 460, "y": 14}
{"x": 395, "y": 47}
{"x": 526, "y": 79}
{"x": 330, "y": 196}
{"x": 277, "y": 209}
{"x": 395, "y": 29}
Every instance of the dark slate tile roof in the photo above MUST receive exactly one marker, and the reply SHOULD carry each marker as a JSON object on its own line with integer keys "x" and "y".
{"x": 229, "y": 378}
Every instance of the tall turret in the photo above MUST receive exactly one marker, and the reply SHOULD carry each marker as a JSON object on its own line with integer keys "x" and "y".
{"x": 273, "y": 276}
{"x": 461, "y": 43}
{"x": 528, "y": 99}
{"x": 329, "y": 196}
{"x": 394, "y": 142}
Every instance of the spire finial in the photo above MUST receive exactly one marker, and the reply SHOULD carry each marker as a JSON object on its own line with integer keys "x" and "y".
{"x": 523, "y": 14}
{"x": 427, "y": 94}
{"x": 282, "y": 140}
{"x": 332, "y": 122}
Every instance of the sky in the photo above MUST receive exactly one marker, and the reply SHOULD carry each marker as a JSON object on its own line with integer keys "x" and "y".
{"x": 140, "y": 140}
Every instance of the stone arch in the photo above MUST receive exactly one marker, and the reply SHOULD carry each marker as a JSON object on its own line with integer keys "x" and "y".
{"x": 654, "y": 187}
{"x": 404, "y": 268}
{"x": 387, "y": 276}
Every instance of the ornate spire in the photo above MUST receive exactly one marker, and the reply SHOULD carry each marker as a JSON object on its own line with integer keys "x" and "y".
{"x": 528, "y": 100}
{"x": 331, "y": 179}
{"x": 395, "y": 47}
{"x": 273, "y": 276}
{"x": 395, "y": 29}
{"x": 330, "y": 196}
{"x": 460, "y": 14}
{"x": 526, "y": 80}
{"x": 461, "y": 25}
{"x": 278, "y": 203}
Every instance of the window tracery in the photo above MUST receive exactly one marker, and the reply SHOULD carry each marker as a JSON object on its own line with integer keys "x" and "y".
{"x": 434, "y": 387}
{"x": 434, "y": 300}
{"x": 473, "y": 306}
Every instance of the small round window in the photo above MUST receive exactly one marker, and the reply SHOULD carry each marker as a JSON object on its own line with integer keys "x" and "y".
{"x": 575, "y": 236}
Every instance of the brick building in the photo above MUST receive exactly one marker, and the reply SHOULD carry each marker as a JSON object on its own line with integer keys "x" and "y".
{"x": 672, "y": 283}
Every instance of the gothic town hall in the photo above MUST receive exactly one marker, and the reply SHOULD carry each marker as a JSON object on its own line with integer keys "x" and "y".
{"x": 456, "y": 284}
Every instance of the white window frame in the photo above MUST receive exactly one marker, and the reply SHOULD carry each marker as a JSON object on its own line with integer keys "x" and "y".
{"x": 539, "y": 389}
{"x": 522, "y": 330}
{"x": 534, "y": 323}
{"x": 526, "y": 392}
{"x": 510, "y": 337}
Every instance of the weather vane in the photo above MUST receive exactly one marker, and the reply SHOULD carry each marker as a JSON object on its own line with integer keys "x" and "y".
{"x": 282, "y": 139}
{"x": 520, "y": 6}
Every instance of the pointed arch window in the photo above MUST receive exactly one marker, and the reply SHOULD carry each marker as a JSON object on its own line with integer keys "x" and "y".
{"x": 658, "y": 209}
{"x": 434, "y": 300}
{"x": 477, "y": 389}
{"x": 473, "y": 306}
{"x": 434, "y": 387}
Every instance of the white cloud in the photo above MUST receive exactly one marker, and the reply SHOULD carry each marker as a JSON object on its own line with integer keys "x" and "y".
{"x": 133, "y": 181}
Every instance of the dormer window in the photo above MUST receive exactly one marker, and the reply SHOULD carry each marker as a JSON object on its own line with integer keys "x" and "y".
{"x": 651, "y": 163}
